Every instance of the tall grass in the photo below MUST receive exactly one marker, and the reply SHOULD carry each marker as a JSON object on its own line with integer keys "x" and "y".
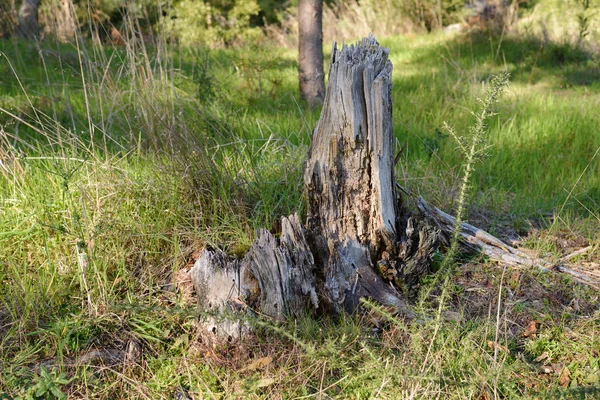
{"x": 117, "y": 163}
{"x": 111, "y": 177}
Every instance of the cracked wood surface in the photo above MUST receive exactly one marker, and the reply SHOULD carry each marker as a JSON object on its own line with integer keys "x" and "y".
{"x": 357, "y": 241}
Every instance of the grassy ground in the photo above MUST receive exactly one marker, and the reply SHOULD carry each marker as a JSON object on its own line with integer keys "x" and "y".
{"x": 117, "y": 164}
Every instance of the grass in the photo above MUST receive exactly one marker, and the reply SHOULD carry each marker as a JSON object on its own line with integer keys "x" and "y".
{"x": 118, "y": 163}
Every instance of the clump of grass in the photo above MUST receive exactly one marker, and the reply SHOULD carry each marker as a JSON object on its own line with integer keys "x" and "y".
{"x": 106, "y": 188}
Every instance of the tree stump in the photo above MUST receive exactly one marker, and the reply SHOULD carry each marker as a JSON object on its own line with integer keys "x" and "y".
{"x": 357, "y": 240}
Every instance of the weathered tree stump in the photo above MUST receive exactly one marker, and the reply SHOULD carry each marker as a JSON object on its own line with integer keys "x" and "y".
{"x": 357, "y": 241}
{"x": 357, "y": 232}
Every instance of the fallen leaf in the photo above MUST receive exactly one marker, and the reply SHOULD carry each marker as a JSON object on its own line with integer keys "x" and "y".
{"x": 196, "y": 254}
{"x": 183, "y": 283}
{"x": 542, "y": 357}
{"x": 257, "y": 364}
{"x": 515, "y": 276}
{"x": 530, "y": 330}
{"x": 497, "y": 346}
{"x": 484, "y": 395}
{"x": 264, "y": 382}
{"x": 565, "y": 377}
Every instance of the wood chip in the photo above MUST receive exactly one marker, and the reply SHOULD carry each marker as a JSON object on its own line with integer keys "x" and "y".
{"x": 530, "y": 330}
{"x": 547, "y": 369}
{"x": 565, "y": 377}
{"x": 257, "y": 364}
{"x": 542, "y": 357}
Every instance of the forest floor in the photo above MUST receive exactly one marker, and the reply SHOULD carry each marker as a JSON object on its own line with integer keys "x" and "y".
{"x": 118, "y": 165}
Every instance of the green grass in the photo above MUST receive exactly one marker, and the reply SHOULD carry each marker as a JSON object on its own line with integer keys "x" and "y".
{"x": 106, "y": 192}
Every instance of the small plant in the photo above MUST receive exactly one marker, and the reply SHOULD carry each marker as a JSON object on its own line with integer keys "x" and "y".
{"x": 46, "y": 385}
{"x": 203, "y": 77}
{"x": 473, "y": 147}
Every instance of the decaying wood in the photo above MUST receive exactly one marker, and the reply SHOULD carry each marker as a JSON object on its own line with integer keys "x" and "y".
{"x": 474, "y": 239}
{"x": 359, "y": 236}
{"x": 349, "y": 173}
{"x": 275, "y": 277}
{"x": 358, "y": 240}
{"x": 284, "y": 269}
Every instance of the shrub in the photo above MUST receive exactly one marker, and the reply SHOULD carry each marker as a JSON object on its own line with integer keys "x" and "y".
{"x": 432, "y": 14}
{"x": 211, "y": 23}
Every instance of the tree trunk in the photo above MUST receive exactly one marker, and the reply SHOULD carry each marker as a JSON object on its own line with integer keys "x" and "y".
{"x": 354, "y": 213}
{"x": 27, "y": 25}
{"x": 65, "y": 29}
{"x": 357, "y": 241}
{"x": 310, "y": 51}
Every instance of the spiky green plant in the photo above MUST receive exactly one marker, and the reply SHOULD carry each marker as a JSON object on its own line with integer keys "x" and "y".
{"x": 473, "y": 147}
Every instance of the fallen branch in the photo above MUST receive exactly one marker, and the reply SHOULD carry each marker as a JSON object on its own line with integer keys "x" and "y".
{"x": 577, "y": 253}
{"x": 474, "y": 240}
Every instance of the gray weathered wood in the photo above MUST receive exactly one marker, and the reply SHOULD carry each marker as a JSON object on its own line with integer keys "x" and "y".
{"x": 358, "y": 241}
{"x": 365, "y": 247}
{"x": 223, "y": 288}
{"x": 474, "y": 239}
{"x": 284, "y": 269}
{"x": 275, "y": 277}
{"x": 349, "y": 173}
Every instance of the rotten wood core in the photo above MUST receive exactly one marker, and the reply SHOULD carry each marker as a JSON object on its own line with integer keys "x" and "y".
{"x": 358, "y": 240}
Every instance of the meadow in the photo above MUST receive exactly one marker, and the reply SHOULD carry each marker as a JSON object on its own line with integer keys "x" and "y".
{"x": 118, "y": 164}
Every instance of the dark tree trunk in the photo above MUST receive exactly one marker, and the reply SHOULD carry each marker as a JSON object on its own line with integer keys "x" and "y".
{"x": 27, "y": 17}
{"x": 310, "y": 51}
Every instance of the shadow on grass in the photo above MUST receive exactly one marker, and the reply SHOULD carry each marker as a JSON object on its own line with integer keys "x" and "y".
{"x": 529, "y": 59}
{"x": 543, "y": 136}
{"x": 575, "y": 393}
{"x": 229, "y": 96}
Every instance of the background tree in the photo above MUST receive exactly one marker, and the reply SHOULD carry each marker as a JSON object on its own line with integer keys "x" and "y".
{"x": 8, "y": 14}
{"x": 310, "y": 48}
{"x": 27, "y": 19}
{"x": 65, "y": 23}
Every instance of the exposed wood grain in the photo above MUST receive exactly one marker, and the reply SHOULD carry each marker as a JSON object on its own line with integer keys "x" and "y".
{"x": 358, "y": 241}
{"x": 284, "y": 270}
